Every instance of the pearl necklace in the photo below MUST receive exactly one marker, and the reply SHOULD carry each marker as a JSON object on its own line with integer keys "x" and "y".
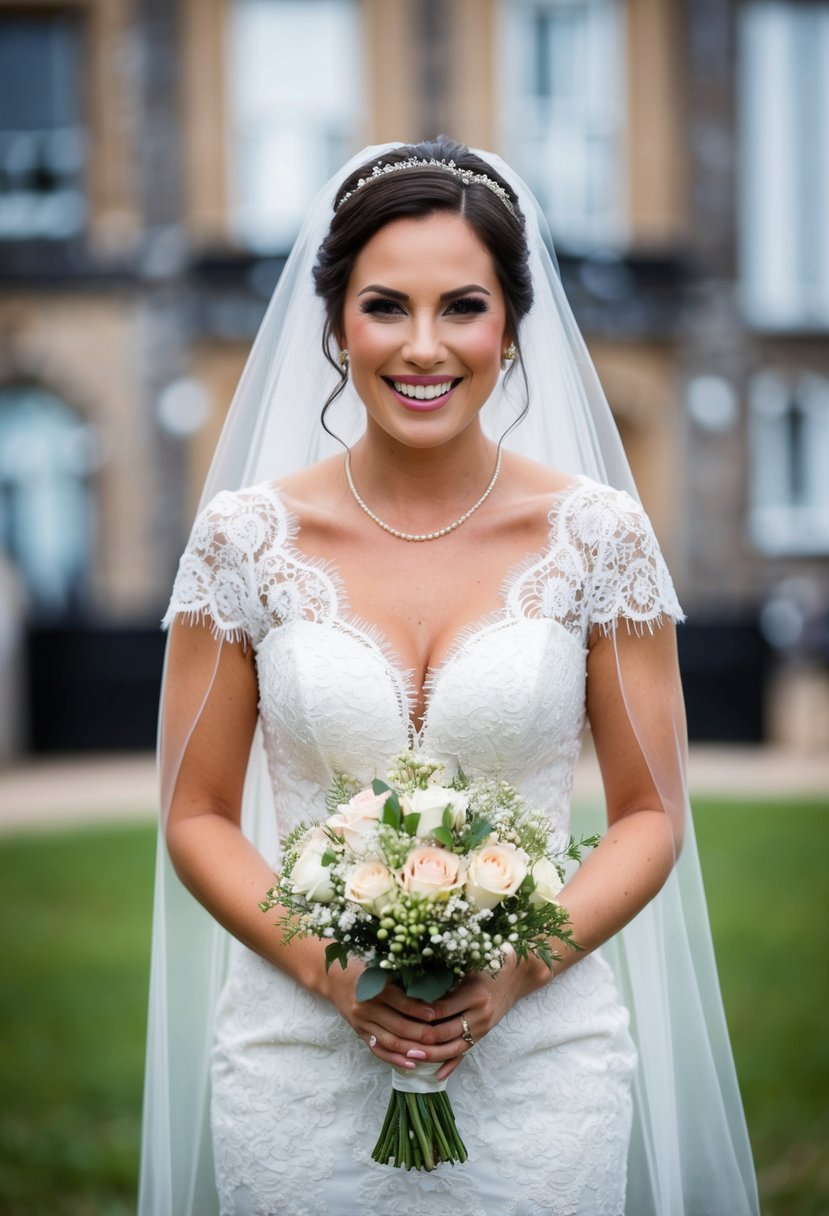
{"x": 420, "y": 536}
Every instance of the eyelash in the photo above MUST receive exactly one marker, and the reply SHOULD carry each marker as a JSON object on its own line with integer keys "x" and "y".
{"x": 465, "y": 306}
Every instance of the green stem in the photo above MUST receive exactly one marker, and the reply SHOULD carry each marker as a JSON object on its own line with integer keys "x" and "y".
{"x": 421, "y": 1137}
{"x": 419, "y": 1132}
{"x": 438, "y": 1136}
{"x": 387, "y": 1123}
{"x": 451, "y": 1129}
{"x": 402, "y": 1138}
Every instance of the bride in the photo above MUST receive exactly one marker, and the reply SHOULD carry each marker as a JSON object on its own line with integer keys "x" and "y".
{"x": 471, "y": 577}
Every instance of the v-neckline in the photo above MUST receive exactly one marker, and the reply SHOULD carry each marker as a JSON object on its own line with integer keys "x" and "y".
{"x": 375, "y": 636}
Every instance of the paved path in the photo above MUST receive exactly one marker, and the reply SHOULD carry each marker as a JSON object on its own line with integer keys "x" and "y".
{"x": 82, "y": 789}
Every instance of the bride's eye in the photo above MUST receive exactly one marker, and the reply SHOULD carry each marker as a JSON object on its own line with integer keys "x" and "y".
{"x": 468, "y": 306}
{"x": 380, "y": 306}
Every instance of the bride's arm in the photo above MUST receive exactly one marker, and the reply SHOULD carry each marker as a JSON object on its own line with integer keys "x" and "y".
{"x": 208, "y": 720}
{"x": 638, "y": 850}
{"x": 643, "y": 835}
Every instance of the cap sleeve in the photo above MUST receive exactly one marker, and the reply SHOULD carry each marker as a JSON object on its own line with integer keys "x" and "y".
{"x": 630, "y": 580}
{"x": 217, "y": 579}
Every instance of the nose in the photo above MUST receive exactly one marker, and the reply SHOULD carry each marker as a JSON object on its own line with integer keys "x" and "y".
{"x": 423, "y": 345}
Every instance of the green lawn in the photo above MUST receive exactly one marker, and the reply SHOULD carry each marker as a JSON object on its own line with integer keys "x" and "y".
{"x": 74, "y": 927}
{"x": 768, "y": 863}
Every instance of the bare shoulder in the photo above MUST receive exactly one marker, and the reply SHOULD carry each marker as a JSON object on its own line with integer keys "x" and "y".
{"x": 530, "y": 485}
{"x": 319, "y": 487}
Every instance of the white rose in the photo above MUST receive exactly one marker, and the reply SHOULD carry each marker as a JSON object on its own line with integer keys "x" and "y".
{"x": 430, "y": 870}
{"x": 354, "y": 818}
{"x": 494, "y": 873}
{"x": 370, "y": 885}
{"x": 309, "y": 876}
{"x": 547, "y": 882}
{"x": 430, "y": 805}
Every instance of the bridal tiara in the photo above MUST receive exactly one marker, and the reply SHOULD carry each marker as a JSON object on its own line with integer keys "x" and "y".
{"x": 466, "y": 176}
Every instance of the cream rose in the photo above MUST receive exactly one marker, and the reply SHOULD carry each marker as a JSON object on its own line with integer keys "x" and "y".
{"x": 430, "y": 805}
{"x": 354, "y": 818}
{"x": 309, "y": 876}
{"x": 430, "y": 870}
{"x": 547, "y": 882}
{"x": 494, "y": 873}
{"x": 370, "y": 885}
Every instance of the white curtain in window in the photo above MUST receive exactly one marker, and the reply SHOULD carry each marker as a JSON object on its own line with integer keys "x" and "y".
{"x": 789, "y": 459}
{"x": 784, "y": 163}
{"x": 295, "y": 106}
{"x": 563, "y": 87}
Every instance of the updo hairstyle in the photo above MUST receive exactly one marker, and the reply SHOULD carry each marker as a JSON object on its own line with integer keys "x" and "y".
{"x": 413, "y": 194}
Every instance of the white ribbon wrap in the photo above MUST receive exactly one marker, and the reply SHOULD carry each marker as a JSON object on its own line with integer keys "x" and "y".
{"x": 418, "y": 1080}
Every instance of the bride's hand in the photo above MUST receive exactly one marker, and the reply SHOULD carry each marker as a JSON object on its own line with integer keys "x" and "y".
{"x": 482, "y": 1000}
{"x": 391, "y": 1024}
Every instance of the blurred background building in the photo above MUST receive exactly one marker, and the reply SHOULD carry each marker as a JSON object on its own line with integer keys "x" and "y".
{"x": 156, "y": 157}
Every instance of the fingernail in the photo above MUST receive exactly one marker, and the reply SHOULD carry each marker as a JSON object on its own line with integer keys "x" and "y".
{"x": 414, "y": 1054}
{"x": 408, "y": 1064}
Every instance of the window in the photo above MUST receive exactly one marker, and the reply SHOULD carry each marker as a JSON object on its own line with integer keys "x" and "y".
{"x": 42, "y": 143}
{"x": 296, "y": 110}
{"x": 784, "y": 180}
{"x": 563, "y": 115}
{"x": 789, "y": 448}
{"x": 46, "y": 455}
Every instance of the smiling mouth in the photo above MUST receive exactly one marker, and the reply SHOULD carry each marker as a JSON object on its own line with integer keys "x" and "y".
{"x": 423, "y": 392}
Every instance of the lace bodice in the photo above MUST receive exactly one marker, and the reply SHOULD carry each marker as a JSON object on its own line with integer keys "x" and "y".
{"x": 509, "y": 698}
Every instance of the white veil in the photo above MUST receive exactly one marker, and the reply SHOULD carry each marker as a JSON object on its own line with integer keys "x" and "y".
{"x": 690, "y": 1154}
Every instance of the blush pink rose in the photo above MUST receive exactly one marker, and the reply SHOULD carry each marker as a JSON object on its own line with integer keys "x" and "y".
{"x": 430, "y": 870}
{"x": 494, "y": 873}
{"x": 356, "y": 817}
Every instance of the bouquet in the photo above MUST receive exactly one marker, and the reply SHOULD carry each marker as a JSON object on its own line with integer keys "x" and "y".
{"x": 424, "y": 883}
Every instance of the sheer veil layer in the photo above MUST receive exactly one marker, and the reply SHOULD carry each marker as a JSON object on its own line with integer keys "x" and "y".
{"x": 690, "y": 1154}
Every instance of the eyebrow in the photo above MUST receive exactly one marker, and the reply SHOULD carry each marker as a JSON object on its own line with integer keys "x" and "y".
{"x": 446, "y": 295}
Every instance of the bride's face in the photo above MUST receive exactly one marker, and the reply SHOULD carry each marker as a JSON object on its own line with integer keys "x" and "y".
{"x": 424, "y": 324}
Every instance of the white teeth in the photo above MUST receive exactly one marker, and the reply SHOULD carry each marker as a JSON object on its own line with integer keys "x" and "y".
{"x": 422, "y": 392}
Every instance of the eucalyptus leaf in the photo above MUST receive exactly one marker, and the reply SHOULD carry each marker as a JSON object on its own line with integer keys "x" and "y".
{"x": 410, "y": 823}
{"x": 371, "y": 983}
{"x": 478, "y": 832}
{"x": 432, "y": 985}
{"x": 444, "y": 836}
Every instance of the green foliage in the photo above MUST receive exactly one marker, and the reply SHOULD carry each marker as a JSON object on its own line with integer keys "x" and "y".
{"x": 410, "y": 823}
{"x": 429, "y": 985}
{"x": 392, "y": 814}
{"x": 371, "y": 983}
{"x": 336, "y": 953}
{"x": 474, "y": 834}
{"x": 341, "y": 790}
{"x": 444, "y": 836}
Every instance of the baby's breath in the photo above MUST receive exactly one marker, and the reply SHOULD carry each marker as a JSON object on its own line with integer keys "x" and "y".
{"x": 412, "y": 937}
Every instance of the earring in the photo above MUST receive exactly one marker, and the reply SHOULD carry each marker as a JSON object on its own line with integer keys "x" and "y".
{"x": 342, "y": 359}
{"x": 510, "y": 355}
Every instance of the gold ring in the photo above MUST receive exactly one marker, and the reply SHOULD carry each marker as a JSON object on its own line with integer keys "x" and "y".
{"x": 466, "y": 1032}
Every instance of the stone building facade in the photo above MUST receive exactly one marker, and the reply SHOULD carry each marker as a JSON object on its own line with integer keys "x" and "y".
{"x": 155, "y": 156}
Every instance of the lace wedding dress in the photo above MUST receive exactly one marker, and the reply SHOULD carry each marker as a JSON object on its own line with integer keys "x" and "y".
{"x": 543, "y": 1102}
